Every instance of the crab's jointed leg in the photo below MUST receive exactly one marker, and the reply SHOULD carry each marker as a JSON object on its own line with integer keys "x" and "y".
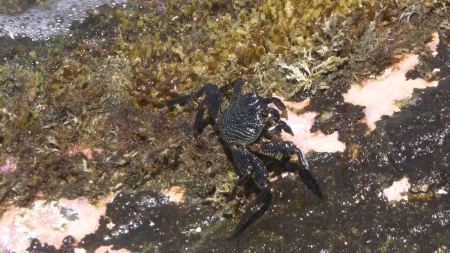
{"x": 245, "y": 167}
{"x": 281, "y": 125}
{"x": 212, "y": 101}
{"x": 237, "y": 88}
{"x": 278, "y": 104}
{"x": 248, "y": 162}
{"x": 287, "y": 149}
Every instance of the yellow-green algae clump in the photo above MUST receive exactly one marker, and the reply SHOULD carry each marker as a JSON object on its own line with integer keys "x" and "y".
{"x": 192, "y": 43}
{"x": 99, "y": 90}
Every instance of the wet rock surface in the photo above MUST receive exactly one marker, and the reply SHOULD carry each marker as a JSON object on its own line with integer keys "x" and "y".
{"x": 145, "y": 221}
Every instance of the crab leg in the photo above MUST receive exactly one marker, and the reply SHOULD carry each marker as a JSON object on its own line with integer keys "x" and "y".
{"x": 287, "y": 149}
{"x": 187, "y": 98}
{"x": 212, "y": 101}
{"x": 237, "y": 87}
{"x": 278, "y": 104}
{"x": 261, "y": 203}
{"x": 245, "y": 167}
{"x": 281, "y": 125}
{"x": 275, "y": 114}
{"x": 179, "y": 100}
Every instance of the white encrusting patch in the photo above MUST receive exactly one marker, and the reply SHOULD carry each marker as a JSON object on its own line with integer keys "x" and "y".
{"x": 108, "y": 249}
{"x": 303, "y": 138}
{"x": 398, "y": 190}
{"x": 379, "y": 95}
{"x": 175, "y": 193}
{"x": 50, "y": 222}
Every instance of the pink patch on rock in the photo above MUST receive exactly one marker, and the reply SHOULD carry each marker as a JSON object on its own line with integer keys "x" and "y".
{"x": 380, "y": 95}
{"x": 109, "y": 249}
{"x": 433, "y": 43}
{"x": 303, "y": 138}
{"x": 175, "y": 193}
{"x": 50, "y": 222}
{"x": 9, "y": 166}
{"x": 88, "y": 152}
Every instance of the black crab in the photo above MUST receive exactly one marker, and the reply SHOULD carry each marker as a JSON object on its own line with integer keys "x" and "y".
{"x": 242, "y": 127}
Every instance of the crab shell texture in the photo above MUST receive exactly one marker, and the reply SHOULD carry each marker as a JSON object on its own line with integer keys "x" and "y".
{"x": 244, "y": 120}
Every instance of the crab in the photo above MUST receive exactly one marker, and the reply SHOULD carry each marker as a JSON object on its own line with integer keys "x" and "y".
{"x": 243, "y": 126}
